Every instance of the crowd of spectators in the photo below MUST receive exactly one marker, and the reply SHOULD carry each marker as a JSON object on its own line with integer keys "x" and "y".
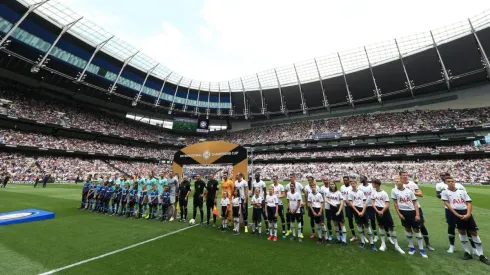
{"x": 141, "y": 168}
{"x": 373, "y": 151}
{"x": 44, "y": 110}
{"x": 55, "y": 142}
{"x": 466, "y": 171}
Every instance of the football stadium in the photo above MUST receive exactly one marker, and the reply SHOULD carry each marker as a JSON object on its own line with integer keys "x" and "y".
{"x": 368, "y": 160}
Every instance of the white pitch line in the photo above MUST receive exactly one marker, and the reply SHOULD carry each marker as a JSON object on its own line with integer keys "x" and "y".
{"x": 116, "y": 251}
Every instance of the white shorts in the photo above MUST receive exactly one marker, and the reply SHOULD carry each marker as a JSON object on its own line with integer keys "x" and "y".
{"x": 172, "y": 199}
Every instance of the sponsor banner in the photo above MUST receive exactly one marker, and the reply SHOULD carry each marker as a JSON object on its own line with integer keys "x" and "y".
{"x": 22, "y": 216}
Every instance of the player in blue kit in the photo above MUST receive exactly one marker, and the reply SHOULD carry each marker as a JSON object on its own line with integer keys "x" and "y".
{"x": 133, "y": 199}
{"x": 116, "y": 200}
{"x": 85, "y": 190}
{"x": 143, "y": 202}
{"x": 91, "y": 195}
{"x": 109, "y": 191}
{"x": 161, "y": 183}
{"x": 165, "y": 197}
{"x": 124, "y": 199}
{"x": 99, "y": 196}
{"x": 153, "y": 202}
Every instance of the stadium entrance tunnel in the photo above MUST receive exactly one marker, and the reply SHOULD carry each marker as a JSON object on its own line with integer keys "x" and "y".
{"x": 212, "y": 152}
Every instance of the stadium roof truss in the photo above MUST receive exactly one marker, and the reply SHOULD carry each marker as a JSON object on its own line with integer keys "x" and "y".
{"x": 298, "y": 74}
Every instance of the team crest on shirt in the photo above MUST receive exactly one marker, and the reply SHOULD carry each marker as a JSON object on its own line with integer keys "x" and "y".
{"x": 206, "y": 155}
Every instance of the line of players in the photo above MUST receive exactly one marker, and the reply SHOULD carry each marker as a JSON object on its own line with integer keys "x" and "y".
{"x": 365, "y": 203}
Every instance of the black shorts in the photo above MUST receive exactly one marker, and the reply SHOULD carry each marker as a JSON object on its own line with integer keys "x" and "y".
{"x": 271, "y": 213}
{"x": 280, "y": 211}
{"x": 236, "y": 211}
{"x": 360, "y": 220}
{"x": 386, "y": 221}
{"x": 421, "y": 213}
{"x": 298, "y": 217}
{"x": 469, "y": 224}
{"x": 409, "y": 221}
{"x": 349, "y": 212}
{"x": 210, "y": 202}
{"x": 371, "y": 214}
{"x": 310, "y": 214}
{"x": 317, "y": 219}
{"x": 224, "y": 212}
{"x": 198, "y": 202}
{"x": 84, "y": 195}
{"x": 257, "y": 214}
{"x": 124, "y": 200}
{"x": 333, "y": 211}
{"x": 183, "y": 203}
{"x": 90, "y": 196}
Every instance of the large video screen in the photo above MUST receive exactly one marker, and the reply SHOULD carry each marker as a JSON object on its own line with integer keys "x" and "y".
{"x": 186, "y": 125}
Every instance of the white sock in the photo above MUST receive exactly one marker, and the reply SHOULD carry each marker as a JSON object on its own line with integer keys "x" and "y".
{"x": 420, "y": 240}
{"x": 260, "y": 228}
{"x": 464, "y": 242}
{"x": 361, "y": 234}
{"x": 271, "y": 232}
{"x": 478, "y": 245}
{"x": 382, "y": 235}
{"x": 299, "y": 228}
{"x": 275, "y": 229}
{"x": 253, "y": 227}
{"x": 344, "y": 234}
{"x": 410, "y": 239}
{"x": 319, "y": 231}
{"x": 370, "y": 234}
{"x": 293, "y": 230}
{"x": 393, "y": 237}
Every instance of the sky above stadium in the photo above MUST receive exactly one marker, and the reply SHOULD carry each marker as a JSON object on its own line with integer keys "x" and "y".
{"x": 219, "y": 40}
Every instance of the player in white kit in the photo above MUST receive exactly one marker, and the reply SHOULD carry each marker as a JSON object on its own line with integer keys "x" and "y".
{"x": 236, "y": 207}
{"x": 451, "y": 228}
{"x": 257, "y": 183}
{"x": 335, "y": 202}
{"x": 257, "y": 212}
{"x": 357, "y": 201}
{"x": 315, "y": 204}
{"x": 368, "y": 190}
{"x": 381, "y": 204}
{"x": 418, "y": 193}
{"x": 299, "y": 189}
{"x": 294, "y": 211}
{"x": 460, "y": 207}
{"x": 272, "y": 204}
{"x": 407, "y": 208}
{"x": 280, "y": 193}
{"x": 307, "y": 190}
{"x": 242, "y": 186}
{"x": 324, "y": 190}
{"x": 345, "y": 190}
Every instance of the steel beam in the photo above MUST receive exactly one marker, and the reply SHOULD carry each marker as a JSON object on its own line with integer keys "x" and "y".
{"x": 157, "y": 101}
{"x": 377, "y": 91}
{"x": 137, "y": 99}
{"x": 219, "y": 100}
{"x": 284, "y": 109}
{"x": 409, "y": 83}
{"x": 445, "y": 73}
{"x": 187, "y": 97}
{"x": 81, "y": 76}
{"x": 263, "y": 110}
{"x": 246, "y": 111}
{"x": 175, "y": 94}
{"x": 196, "y": 110}
{"x": 113, "y": 87}
{"x": 350, "y": 100}
{"x": 230, "y": 112}
{"x": 40, "y": 63}
{"x": 304, "y": 108}
{"x": 4, "y": 41}
{"x": 325, "y": 100}
{"x": 208, "y": 109}
{"x": 484, "y": 57}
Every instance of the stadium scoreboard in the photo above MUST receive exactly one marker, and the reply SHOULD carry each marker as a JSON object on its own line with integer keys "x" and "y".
{"x": 190, "y": 125}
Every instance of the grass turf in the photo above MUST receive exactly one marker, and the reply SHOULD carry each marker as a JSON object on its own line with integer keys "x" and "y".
{"x": 75, "y": 235}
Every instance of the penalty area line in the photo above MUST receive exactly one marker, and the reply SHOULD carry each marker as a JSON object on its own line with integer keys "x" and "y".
{"x": 116, "y": 251}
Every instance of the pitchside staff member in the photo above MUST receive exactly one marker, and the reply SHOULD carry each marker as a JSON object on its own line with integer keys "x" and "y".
{"x": 184, "y": 191}
{"x": 211, "y": 194}
{"x": 198, "y": 197}
{"x": 459, "y": 205}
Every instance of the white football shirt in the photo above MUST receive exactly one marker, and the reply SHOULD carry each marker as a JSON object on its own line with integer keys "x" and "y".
{"x": 405, "y": 198}
{"x": 261, "y": 185}
{"x": 345, "y": 190}
{"x": 357, "y": 198}
{"x": 225, "y": 201}
{"x": 235, "y": 201}
{"x": 324, "y": 190}
{"x": 299, "y": 187}
{"x": 294, "y": 200}
{"x": 278, "y": 189}
{"x": 316, "y": 200}
{"x": 368, "y": 191}
{"x": 333, "y": 198}
{"x": 241, "y": 185}
{"x": 271, "y": 200}
{"x": 380, "y": 198}
{"x": 441, "y": 186}
{"x": 256, "y": 200}
{"x": 413, "y": 187}
{"x": 457, "y": 199}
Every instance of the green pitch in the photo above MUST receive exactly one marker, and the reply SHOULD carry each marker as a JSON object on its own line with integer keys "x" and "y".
{"x": 75, "y": 235}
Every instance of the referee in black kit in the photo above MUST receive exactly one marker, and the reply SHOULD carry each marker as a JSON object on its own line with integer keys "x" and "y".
{"x": 198, "y": 197}
{"x": 211, "y": 194}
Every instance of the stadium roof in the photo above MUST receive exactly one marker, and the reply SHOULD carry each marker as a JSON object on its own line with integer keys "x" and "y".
{"x": 299, "y": 73}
